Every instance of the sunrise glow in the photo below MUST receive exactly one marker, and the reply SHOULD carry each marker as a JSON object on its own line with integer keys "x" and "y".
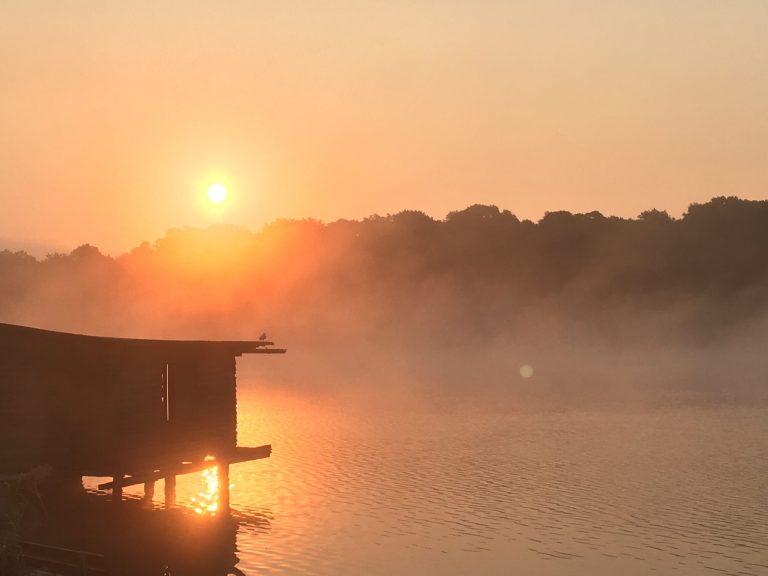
{"x": 217, "y": 193}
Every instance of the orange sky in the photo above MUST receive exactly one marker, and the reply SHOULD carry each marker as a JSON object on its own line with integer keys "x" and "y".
{"x": 115, "y": 115}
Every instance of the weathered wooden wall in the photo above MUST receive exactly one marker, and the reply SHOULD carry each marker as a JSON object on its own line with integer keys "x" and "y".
{"x": 96, "y": 405}
{"x": 202, "y": 418}
{"x": 23, "y": 407}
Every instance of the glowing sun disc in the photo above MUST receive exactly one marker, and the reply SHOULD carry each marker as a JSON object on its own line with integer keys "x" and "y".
{"x": 217, "y": 193}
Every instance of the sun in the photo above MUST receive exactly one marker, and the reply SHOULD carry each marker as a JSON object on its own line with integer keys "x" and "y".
{"x": 217, "y": 193}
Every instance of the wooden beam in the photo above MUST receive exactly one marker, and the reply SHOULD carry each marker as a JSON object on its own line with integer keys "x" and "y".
{"x": 266, "y": 351}
{"x": 246, "y": 454}
{"x": 240, "y": 454}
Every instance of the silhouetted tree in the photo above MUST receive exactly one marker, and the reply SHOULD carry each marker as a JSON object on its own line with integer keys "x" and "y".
{"x": 478, "y": 271}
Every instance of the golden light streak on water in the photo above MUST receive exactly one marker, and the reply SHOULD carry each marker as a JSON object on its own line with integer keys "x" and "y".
{"x": 207, "y": 501}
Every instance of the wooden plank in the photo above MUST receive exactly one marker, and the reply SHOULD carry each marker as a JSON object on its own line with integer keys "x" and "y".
{"x": 241, "y": 454}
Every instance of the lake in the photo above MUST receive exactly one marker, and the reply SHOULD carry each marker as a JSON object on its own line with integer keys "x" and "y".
{"x": 355, "y": 488}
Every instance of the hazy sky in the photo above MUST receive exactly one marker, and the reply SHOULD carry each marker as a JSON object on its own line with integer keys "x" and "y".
{"x": 114, "y": 116}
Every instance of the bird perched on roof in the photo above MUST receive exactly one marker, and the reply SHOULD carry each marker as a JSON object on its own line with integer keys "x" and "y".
{"x": 263, "y": 336}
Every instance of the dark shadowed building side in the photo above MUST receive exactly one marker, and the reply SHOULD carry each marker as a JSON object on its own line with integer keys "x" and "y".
{"x": 136, "y": 410}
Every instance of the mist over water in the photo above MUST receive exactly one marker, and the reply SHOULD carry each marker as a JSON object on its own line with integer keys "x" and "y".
{"x": 598, "y": 308}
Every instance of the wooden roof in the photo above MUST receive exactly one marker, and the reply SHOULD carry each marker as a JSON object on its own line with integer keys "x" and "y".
{"x": 44, "y": 338}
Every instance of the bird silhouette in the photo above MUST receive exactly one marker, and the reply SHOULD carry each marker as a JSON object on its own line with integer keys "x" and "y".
{"x": 263, "y": 336}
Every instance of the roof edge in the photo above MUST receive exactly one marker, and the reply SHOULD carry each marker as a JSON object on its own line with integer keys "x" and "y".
{"x": 243, "y": 346}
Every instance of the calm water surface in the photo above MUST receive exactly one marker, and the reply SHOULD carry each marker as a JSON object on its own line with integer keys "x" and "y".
{"x": 413, "y": 491}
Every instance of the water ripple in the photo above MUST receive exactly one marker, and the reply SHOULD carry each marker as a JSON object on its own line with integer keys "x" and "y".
{"x": 347, "y": 491}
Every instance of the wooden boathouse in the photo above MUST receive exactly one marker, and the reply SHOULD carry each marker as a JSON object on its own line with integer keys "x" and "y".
{"x": 134, "y": 410}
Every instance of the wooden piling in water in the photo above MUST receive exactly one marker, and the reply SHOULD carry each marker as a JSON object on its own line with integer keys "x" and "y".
{"x": 149, "y": 491}
{"x": 170, "y": 491}
{"x": 117, "y": 488}
{"x": 223, "y": 478}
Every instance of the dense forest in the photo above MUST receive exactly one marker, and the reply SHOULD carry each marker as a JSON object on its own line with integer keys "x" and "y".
{"x": 479, "y": 278}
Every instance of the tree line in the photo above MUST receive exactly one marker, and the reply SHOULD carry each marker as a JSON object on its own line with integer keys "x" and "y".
{"x": 478, "y": 273}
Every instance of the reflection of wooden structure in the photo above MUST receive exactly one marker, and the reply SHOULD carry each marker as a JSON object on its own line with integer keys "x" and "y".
{"x": 128, "y": 540}
{"x": 36, "y": 555}
{"x": 135, "y": 410}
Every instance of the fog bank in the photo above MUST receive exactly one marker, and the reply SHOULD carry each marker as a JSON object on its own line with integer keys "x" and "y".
{"x": 573, "y": 309}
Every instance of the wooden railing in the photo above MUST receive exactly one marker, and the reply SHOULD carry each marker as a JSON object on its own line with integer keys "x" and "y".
{"x": 71, "y": 561}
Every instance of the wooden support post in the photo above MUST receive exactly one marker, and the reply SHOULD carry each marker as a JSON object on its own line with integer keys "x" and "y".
{"x": 170, "y": 491}
{"x": 149, "y": 492}
{"x": 117, "y": 488}
{"x": 223, "y": 472}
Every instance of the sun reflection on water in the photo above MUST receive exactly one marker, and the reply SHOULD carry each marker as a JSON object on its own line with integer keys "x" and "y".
{"x": 207, "y": 501}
